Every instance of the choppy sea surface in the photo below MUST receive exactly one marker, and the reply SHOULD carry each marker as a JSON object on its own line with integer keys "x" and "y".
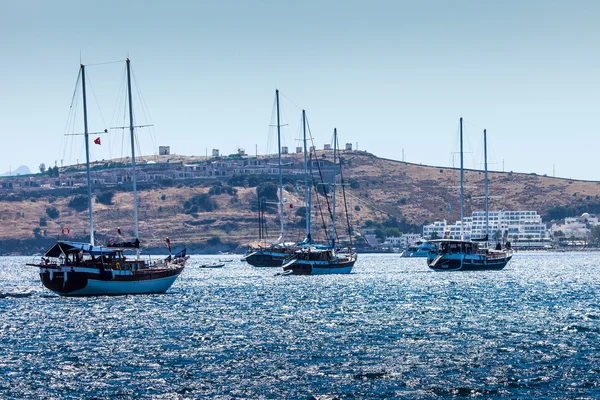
{"x": 391, "y": 329}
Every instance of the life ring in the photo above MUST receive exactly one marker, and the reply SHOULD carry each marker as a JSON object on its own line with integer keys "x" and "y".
{"x": 111, "y": 241}
{"x": 66, "y": 231}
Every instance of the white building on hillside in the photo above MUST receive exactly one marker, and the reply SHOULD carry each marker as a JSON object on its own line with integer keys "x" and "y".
{"x": 404, "y": 241}
{"x": 577, "y": 228}
{"x": 522, "y": 228}
{"x": 435, "y": 230}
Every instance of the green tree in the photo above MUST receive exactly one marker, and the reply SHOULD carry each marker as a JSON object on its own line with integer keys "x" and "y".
{"x": 105, "y": 198}
{"x": 370, "y": 224}
{"x": 237, "y": 180}
{"x": 200, "y": 202}
{"x": 52, "y": 212}
{"x": 79, "y": 202}
{"x": 354, "y": 183}
{"x": 595, "y": 234}
{"x": 53, "y": 171}
{"x": 267, "y": 194}
{"x": 267, "y": 190}
{"x": 253, "y": 180}
{"x": 392, "y": 232}
{"x": 380, "y": 234}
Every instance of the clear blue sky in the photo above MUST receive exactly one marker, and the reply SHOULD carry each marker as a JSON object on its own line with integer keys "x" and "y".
{"x": 390, "y": 75}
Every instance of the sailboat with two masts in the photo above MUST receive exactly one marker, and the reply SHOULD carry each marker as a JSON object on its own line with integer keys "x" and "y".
{"x": 273, "y": 255}
{"x": 86, "y": 269}
{"x": 468, "y": 255}
{"x": 319, "y": 259}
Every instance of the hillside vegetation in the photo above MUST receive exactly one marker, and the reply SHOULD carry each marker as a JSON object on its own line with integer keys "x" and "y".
{"x": 210, "y": 215}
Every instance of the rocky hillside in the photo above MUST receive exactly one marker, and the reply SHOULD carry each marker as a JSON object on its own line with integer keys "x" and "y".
{"x": 376, "y": 189}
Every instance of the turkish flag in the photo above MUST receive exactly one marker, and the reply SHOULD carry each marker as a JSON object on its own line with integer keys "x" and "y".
{"x": 97, "y": 140}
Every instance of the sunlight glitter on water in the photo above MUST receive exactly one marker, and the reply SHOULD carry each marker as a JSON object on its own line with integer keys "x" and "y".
{"x": 391, "y": 329}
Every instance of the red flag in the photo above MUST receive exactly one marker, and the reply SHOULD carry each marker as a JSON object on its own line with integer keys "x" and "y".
{"x": 168, "y": 244}
{"x": 97, "y": 140}
{"x": 119, "y": 231}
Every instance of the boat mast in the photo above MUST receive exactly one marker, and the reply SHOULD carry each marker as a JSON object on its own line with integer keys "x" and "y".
{"x": 462, "y": 194}
{"x": 134, "y": 176}
{"x": 280, "y": 168}
{"x": 310, "y": 174}
{"x": 87, "y": 155}
{"x": 487, "y": 211}
{"x": 334, "y": 185}
{"x": 306, "y": 186}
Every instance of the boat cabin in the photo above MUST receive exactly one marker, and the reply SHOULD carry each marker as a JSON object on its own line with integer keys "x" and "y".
{"x": 455, "y": 246}
{"x": 86, "y": 255}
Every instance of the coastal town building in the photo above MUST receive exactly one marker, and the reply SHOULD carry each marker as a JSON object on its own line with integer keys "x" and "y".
{"x": 112, "y": 173}
{"x": 436, "y": 230}
{"x": 404, "y": 241}
{"x": 523, "y": 228}
{"x": 574, "y": 228}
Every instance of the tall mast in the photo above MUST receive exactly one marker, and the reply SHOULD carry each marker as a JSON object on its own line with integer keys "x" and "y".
{"x": 134, "y": 175}
{"x": 87, "y": 155}
{"x": 462, "y": 194}
{"x": 280, "y": 169}
{"x": 306, "y": 186}
{"x": 487, "y": 211}
{"x": 310, "y": 174}
{"x": 334, "y": 182}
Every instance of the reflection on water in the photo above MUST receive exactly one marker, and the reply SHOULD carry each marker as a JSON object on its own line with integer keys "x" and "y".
{"x": 391, "y": 329}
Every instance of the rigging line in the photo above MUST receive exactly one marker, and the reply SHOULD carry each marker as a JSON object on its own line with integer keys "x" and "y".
{"x": 312, "y": 140}
{"x": 145, "y": 109}
{"x": 89, "y": 80}
{"x": 299, "y": 132}
{"x": 70, "y": 125}
{"x": 104, "y": 63}
{"x": 146, "y": 112}
{"x": 324, "y": 226}
{"x": 116, "y": 114}
{"x": 138, "y": 147}
{"x": 272, "y": 127}
{"x": 345, "y": 201}
{"x": 74, "y": 97}
{"x": 284, "y": 138}
{"x": 125, "y": 111}
{"x": 324, "y": 190}
{"x": 265, "y": 222}
{"x": 290, "y": 100}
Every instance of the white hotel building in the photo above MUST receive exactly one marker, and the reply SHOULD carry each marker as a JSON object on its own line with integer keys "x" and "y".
{"x": 522, "y": 228}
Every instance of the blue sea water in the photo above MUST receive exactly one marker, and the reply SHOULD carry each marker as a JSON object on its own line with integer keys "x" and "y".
{"x": 391, "y": 329}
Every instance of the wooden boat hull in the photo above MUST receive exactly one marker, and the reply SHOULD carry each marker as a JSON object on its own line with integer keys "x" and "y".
{"x": 308, "y": 267}
{"x": 265, "y": 259}
{"x": 90, "y": 282}
{"x": 467, "y": 263}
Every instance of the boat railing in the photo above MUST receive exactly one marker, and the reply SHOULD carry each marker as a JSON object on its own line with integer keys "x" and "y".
{"x": 41, "y": 261}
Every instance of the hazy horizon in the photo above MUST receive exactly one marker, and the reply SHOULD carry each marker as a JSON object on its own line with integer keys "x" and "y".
{"x": 389, "y": 75}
